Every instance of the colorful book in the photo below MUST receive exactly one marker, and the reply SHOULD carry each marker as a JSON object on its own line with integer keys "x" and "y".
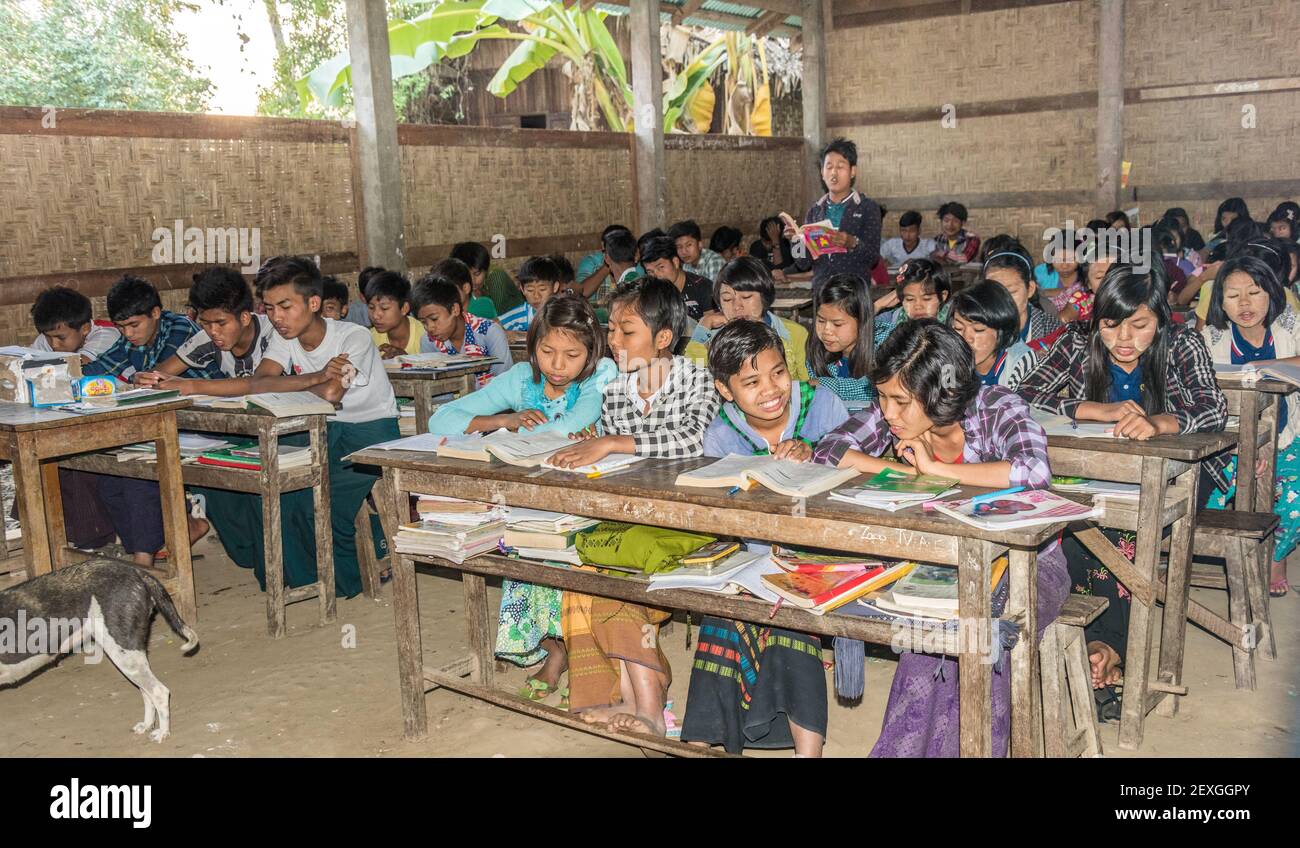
{"x": 894, "y": 490}
{"x": 931, "y": 590}
{"x": 805, "y": 562}
{"x": 815, "y": 236}
{"x": 1014, "y": 511}
{"x": 710, "y": 553}
{"x": 823, "y": 593}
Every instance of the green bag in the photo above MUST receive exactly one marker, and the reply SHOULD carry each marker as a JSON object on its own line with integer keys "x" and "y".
{"x": 650, "y": 549}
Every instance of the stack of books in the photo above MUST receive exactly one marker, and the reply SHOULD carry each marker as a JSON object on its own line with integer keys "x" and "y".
{"x": 892, "y": 490}
{"x": 542, "y": 535}
{"x": 929, "y": 591}
{"x": 192, "y": 445}
{"x": 451, "y": 529}
{"x": 823, "y": 586}
{"x": 248, "y": 457}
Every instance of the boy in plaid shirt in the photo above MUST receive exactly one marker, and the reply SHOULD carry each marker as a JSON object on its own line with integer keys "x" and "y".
{"x": 660, "y": 406}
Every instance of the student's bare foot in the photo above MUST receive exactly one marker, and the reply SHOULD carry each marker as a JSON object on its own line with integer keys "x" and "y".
{"x": 600, "y": 715}
{"x": 555, "y": 664}
{"x": 1105, "y": 665}
{"x": 143, "y": 559}
{"x": 199, "y": 528}
{"x": 639, "y": 724}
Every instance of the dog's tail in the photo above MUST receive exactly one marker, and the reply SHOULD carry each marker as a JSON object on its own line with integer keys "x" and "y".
{"x": 163, "y": 602}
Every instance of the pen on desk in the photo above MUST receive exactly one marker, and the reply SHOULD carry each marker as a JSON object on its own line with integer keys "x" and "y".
{"x": 734, "y": 489}
{"x": 988, "y": 496}
{"x": 775, "y": 607}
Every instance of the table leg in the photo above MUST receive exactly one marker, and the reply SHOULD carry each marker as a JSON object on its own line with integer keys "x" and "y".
{"x": 975, "y": 675}
{"x": 175, "y": 516}
{"x": 320, "y": 500}
{"x": 482, "y": 628}
{"x": 1173, "y": 636}
{"x": 52, "y": 494}
{"x": 1247, "y": 447}
{"x": 1026, "y": 705}
{"x": 406, "y": 612}
{"x": 423, "y": 405}
{"x": 272, "y": 540}
{"x": 31, "y": 504}
{"x": 1141, "y": 623}
{"x": 1264, "y": 483}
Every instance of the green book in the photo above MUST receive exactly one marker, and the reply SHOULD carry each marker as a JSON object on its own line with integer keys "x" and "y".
{"x": 901, "y": 483}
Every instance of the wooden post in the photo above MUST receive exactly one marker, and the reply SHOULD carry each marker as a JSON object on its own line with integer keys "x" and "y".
{"x": 378, "y": 160}
{"x": 814, "y": 95}
{"x": 1110, "y": 104}
{"x": 647, "y": 97}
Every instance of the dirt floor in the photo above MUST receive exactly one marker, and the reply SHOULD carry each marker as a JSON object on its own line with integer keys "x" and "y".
{"x": 244, "y": 694}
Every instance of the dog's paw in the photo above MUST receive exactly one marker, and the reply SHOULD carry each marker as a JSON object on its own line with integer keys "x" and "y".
{"x": 159, "y": 735}
{"x": 141, "y": 728}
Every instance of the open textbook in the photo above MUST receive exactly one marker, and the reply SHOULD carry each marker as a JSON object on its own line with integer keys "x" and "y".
{"x": 784, "y": 476}
{"x": 1248, "y": 373}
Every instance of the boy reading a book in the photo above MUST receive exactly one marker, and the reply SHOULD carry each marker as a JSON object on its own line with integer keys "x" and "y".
{"x": 660, "y": 405}
{"x": 937, "y": 419}
{"x": 63, "y": 322}
{"x": 393, "y": 328}
{"x": 539, "y": 279}
{"x": 760, "y": 686}
{"x": 150, "y": 334}
{"x": 438, "y": 302}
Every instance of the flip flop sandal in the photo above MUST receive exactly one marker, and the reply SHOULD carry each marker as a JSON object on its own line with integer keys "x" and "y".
{"x": 564, "y": 699}
{"x": 1278, "y": 588}
{"x": 535, "y": 690}
{"x": 1109, "y": 704}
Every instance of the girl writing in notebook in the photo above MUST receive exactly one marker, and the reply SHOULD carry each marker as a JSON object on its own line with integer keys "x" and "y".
{"x": 560, "y": 387}
{"x": 756, "y": 686}
{"x": 1132, "y": 366}
{"x": 1248, "y": 322}
{"x": 936, "y": 418}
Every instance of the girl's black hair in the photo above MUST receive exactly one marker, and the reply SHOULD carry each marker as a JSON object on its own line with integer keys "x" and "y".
{"x": 1012, "y": 255}
{"x": 574, "y": 315}
{"x": 1166, "y": 237}
{"x": 1284, "y": 216}
{"x": 1271, "y": 251}
{"x": 1117, "y": 215}
{"x": 1264, "y": 277}
{"x": 746, "y": 274}
{"x": 934, "y": 364}
{"x": 1236, "y": 236}
{"x": 1232, "y": 204}
{"x": 926, "y": 271}
{"x": 1121, "y": 293}
{"x": 990, "y": 304}
{"x": 848, "y": 292}
{"x": 1293, "y": 264}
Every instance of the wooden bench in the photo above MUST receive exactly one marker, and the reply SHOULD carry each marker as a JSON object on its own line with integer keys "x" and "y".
{"x": 1069, "y": 715}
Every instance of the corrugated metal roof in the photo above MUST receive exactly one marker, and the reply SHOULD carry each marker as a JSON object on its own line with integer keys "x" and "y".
{"x": 738, "y": 11}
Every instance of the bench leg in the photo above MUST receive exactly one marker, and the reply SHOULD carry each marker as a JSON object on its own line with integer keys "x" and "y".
{"x": 366, "y": 554}
{"x": 1238, "y": 561}
{"x": 1141, "y": 622}
{"x": 1049, "y": 670}
{"x": 1258, "y": 560}
{"x": 1177, "y": 587}
{"x": 1078, "y": 675}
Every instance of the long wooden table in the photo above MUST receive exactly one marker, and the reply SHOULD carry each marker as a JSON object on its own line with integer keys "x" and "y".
{"x": 269, "y": 482}
{"x": 1151, "y": 464}
{"x": 35, "y": 440}
{"x": 647, "y": 494}
{"x": 424, "y": 386}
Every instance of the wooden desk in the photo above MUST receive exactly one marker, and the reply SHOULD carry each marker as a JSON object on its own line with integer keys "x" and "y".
{"x": 1257, "y": 408}
{"x": 647, "y": 495}
{"x": 1152, "y": 464}
{"x": 270, "y": 482}
{"x": 424, "y": 386}
{"x": 35, "y": 439}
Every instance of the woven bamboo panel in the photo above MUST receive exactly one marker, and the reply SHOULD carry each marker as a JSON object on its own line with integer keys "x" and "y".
{"x": 79, "y": 203}
{"x": 1170, "y": 143}
{"x": 996, "y": 154}
{"x": 1219, "y": 40}
{"x": 1029, "y": 52}
{"x": 453, "y": 194}
{"x": 738, "y": 187}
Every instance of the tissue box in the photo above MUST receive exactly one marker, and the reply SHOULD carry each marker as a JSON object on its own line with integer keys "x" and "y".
{"x": 13, "y": 385}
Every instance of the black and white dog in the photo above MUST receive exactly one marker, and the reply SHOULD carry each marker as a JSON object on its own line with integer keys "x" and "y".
{"x": 91, "y": 606}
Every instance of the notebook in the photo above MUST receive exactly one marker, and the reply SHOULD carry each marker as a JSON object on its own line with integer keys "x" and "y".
{"x": 521, "y": 449}
{"x": 1064, "y": 425}
{"x": 288, "y": 404}
{"x": 784, "y": 476}
{"x": 892, "y": 490}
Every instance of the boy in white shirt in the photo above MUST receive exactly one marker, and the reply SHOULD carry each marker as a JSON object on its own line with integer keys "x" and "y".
{"x": 63, "y": 321}
{"x": 908, "y": 244}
